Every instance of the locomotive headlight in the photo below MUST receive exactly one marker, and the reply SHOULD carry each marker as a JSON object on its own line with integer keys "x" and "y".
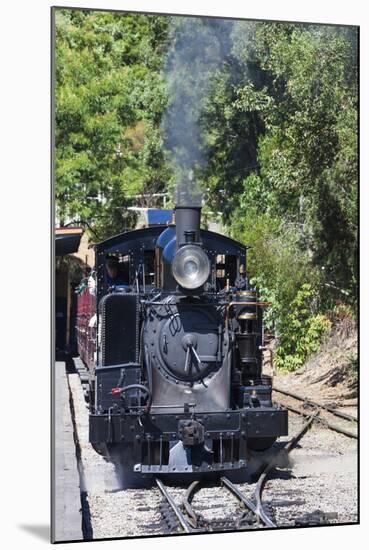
{"x": 191, "y": 267}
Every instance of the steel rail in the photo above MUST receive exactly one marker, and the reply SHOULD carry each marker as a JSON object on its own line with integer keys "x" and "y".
{"x": 286, "y": 449}
{"x": 315, "y": 404}
{"x": 181, "y": 518}
{"x": 322, "y": 421}
{"x": 257, "y": 507}
{"x": 186, "y": 501}
{"x": 258, "y": 511}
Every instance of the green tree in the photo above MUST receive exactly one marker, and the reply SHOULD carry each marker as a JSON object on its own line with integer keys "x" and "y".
{"x": 308, "y": 151}
{"x": 292, "y": 102}
{"x": 109, "y": 100}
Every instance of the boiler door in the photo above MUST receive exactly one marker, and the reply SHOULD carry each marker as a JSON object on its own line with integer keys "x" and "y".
{"x": 188, "y": 344}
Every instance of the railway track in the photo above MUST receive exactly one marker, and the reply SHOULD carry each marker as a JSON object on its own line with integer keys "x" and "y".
{"x": 181, "y": 517}
{"x": 309, "y": 407}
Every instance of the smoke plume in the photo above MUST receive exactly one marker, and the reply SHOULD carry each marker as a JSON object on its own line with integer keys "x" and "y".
{"x": 198, "y": 49}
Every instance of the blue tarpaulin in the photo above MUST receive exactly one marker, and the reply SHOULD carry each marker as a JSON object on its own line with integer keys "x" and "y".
{"x": 156, "y": 216}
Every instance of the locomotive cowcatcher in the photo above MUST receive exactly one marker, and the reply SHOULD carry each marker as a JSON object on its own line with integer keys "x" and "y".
{"x": 174, "y": 354}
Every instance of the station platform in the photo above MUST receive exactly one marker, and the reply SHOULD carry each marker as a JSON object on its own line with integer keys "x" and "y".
{"x": 66, "y": 508}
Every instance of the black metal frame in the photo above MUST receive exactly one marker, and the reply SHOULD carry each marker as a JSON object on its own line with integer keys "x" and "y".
{"x": 138, "y": 429}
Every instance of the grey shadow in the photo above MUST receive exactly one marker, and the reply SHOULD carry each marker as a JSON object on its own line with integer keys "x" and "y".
{"x": 40, "y": 531}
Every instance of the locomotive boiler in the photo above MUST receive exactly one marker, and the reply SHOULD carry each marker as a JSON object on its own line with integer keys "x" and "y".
{"x": 175, "y": 379}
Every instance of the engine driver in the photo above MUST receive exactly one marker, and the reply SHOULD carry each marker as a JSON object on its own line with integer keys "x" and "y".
{"x": 113, "y": 276}
{"x": 241, "y": 282}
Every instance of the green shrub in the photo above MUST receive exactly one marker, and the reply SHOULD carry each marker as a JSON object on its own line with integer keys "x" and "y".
{"x": 300, "y": 332}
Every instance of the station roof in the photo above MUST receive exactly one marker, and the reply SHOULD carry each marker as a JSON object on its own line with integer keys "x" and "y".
{"x": 67, "y": 240}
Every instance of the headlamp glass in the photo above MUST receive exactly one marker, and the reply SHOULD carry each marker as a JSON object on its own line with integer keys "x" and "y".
{"x": 191, "y": 267}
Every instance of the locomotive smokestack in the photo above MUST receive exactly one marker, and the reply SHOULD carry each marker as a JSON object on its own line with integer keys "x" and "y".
{"x": 188, "y": 200}
{"x": 187, "y": 224}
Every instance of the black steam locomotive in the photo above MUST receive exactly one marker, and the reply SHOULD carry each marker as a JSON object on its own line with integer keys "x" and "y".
{"x": 176, "y": 383}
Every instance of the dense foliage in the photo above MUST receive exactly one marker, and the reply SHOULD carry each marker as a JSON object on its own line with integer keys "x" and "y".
{"x": 109, "y": 100}
{"x": 267, "y": 115}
